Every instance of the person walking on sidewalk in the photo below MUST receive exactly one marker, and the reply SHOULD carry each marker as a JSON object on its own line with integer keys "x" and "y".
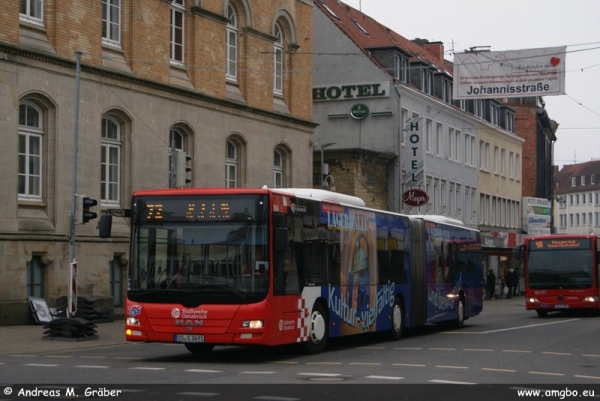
{"x": 509, "y": 280}
{"x": 491, "y": 284}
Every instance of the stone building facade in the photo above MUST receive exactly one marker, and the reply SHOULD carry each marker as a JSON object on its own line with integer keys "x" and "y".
{"x": 227, "y": 81}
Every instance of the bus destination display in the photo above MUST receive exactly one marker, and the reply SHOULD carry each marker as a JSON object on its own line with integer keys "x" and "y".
{"x": 560, "y": 244}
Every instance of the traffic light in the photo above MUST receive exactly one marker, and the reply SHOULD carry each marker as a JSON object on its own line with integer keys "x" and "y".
{"x": 181, "y": 168}
{"x": 83, "y": 206}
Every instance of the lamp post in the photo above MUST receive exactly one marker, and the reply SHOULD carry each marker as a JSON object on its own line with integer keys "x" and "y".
{"x": 324, "y": 166}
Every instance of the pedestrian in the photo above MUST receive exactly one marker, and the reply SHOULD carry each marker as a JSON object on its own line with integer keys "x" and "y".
{"x": 516, "y": 278}
{"x": 491, "y": 284}
{"x": 508, "y": 279}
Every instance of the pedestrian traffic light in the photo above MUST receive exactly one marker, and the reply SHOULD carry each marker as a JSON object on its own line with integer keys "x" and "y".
{"x": 83, "y": 205}
{"x": 181, "y": 168}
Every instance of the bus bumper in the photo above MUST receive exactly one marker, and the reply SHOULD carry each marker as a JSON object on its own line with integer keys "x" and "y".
{"x": 554, "y": 303}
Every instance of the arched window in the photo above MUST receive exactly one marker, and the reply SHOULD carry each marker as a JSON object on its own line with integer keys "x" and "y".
{"x": 231, "y": 165}
{"x": 110, "y": 160}
{"x": 278, "y": 61}
{"x": 232, "y": 43}
{"x": 176, "y": 141}
{"x": 30, "y": 151}
{"x": 277, "y": 169}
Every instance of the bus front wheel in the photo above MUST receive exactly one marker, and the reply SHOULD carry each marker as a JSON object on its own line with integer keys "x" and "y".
{"x": 198, "y": 348}
{"x": 460, "y": 314}
{"x": 318, "y": 330}
{"x": 397, "y": 320}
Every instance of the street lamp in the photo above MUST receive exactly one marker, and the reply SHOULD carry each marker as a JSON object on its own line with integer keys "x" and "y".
{"x": 324, "y": 167}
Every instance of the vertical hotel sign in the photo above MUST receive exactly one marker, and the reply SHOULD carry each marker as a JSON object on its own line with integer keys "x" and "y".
{"x": 415, "y": 169}
{"x": 514, "y": 73}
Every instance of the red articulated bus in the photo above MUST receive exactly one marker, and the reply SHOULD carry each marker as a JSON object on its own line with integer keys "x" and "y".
{"x": 561, "y": 272}
{"x": 265, "y": 266}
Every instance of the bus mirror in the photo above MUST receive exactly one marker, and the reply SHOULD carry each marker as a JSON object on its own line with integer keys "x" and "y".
{"x": 518, "y": 252}
{"x": 280, "y": 240}
{"x": 105, "y": 226}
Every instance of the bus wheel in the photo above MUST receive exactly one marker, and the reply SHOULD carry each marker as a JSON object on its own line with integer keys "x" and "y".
{"x": 318, "y": 330}
{"x": 460, "y": 314}
{"x": 196, "y": 348}
{"x": 397, "y": 320}
{"x": 542, "y": 312}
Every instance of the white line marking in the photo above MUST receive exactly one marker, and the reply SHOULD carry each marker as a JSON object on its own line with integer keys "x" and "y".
{"x": 384, "y": 377}
{"x": 49, "y": 365}
{"x": 408, "y": 364}
{"x": 203, "y": 371}
{"x": 321, "y": 374}
{"x": 323, "y": 363}
{"x": 588, "y": 377}
{"x": 365, "y": 363}
{"x": 449, "y": 382}
{"x": 545, "y": 373}
{"x": 478, "y": 350}
{"x": 451, "y": 367}
{"x": 509, "y": 328}
{"x": 591, "y": 355}
{"x": 500, "y": 370}
{"x": 556, "y": 353}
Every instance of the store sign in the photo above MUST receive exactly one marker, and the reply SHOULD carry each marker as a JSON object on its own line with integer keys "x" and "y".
{"x": 537, "y": 215}
{"x": 359, "y": 111}
{"x": 415, "y": 169}
{"x": 351, "y": 91}
{"x": 415, "y": 197}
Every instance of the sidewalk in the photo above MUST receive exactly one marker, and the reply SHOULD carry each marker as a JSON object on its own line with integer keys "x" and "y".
{"x": 28, "y": 339}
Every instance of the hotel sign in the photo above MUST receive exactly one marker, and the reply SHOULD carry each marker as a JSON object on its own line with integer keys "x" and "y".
{"x": 351, "y": 91}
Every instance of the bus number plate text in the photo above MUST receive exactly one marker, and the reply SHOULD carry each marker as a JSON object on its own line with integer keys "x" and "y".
{"x": 561, "y": 306}
{"x": 189, "y": 338}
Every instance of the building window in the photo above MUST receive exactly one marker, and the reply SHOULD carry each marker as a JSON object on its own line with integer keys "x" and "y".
{"x": 232, "y": 35}
{"x": 574, "y": 181}
{"x": 447, "y": 91}
{"x": 463, "y": 104}
{"x": 426, "y": 81}
{"x": 277, "y": 169}
{"x": 176, "y": 141}
{"x": 494, "y": 114}
{"x": 478, "y": 108}
{"x": 503, "y": 162}
{"x": 35, "y": 278}
{"x": 401, "y": 68}
{"x": 484, "y": 149}
{"x": 231, "y": 165}
{"x": 32, "y": 11}
{"x": 111, "y": 21}
{"x": 438, "y": 138}
{"x": 278, "y": 61}
{"x": 115, "y": 272}
{"x": 30, "y": 151}
{"x": 510, "y": 122}
{"x": 428, "y": 139}
{"x": 583, "y": 180}
{"x": 593, "y": 179}
{"x": 110, "y": 160}
{"x": 177, "y": 21}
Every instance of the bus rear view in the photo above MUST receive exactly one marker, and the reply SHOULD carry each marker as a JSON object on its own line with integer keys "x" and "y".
{"x": 561, "y": 272}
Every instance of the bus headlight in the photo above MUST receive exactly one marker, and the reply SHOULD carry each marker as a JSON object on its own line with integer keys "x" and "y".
{"x": 133, "y": 321}
{"x": 590, "y": 299}
{"x": 252, "y": 324}
{"x": 532, "y": 299}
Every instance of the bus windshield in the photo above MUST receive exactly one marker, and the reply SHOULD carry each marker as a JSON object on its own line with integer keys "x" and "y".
{"x": 560, "y": 266}
{"x": 201, "y": 250}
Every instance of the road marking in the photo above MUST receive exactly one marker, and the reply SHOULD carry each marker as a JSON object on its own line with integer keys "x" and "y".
{"x": 203, "y": 371}
{"x": 45, "y": 365}
{"x": 509, "y": 328}
{"x": 365, "y": 363}
{"x": 146, "y": 368}
{"x": 92, "y": 366}
{"x": 409, "y": 365}
{"x": 556, "y": 353}
{"x": 58, "y": 356}
{"x": 256, "y": 373}
{"x": 321, "y": 374}
{"x": 323, "y": 363}
{"x": 449, "y": 382}
{"x": 384, "y": 377}
{"x": 587, "y": 377}
{"x": 545, "y": 373}
{"x": 478, "y": 350}
{"x": 591, "y": 355}
{"x": 500, "y": 370}
{"x": 451, "y": 367}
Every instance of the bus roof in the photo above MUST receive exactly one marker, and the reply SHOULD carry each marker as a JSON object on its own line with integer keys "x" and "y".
{"x": 323, "y": 195}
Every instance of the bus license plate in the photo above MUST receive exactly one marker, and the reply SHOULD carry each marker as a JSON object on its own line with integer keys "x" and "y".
{"x": 561, "y": 306}
{"x": 189, "y": 338}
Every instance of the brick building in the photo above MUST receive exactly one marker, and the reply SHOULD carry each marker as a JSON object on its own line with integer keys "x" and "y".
{"x": 227, "y": 81}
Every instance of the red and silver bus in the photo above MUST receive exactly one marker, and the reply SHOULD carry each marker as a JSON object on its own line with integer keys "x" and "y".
{"x": 279, "y": 266}
{"x": 561, "y": 272}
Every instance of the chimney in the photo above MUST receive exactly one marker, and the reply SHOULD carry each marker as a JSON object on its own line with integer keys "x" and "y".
{"x": 436, "y": 48}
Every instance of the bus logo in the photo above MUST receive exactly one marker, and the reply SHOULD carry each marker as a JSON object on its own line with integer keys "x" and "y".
{"x": 175, "y": 313}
